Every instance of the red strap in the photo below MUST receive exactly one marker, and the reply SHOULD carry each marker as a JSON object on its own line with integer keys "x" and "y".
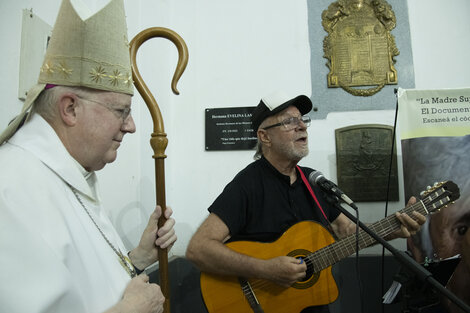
{"x": 311, "y": 191}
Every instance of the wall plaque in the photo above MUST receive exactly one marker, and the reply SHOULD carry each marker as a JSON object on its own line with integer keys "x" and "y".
{"x": 229, "y": 129}
{"x": 363, "y": 161}
{"x": 359, "y": 47}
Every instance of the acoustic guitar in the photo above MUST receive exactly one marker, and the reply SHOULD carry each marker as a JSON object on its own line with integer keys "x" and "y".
{"x": 313, "y": 243}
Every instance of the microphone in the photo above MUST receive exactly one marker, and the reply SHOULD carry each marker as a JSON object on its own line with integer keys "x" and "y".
{"x": 316, "y": 178}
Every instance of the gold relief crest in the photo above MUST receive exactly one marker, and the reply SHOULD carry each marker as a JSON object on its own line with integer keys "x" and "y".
{"x": 359, "y": 47}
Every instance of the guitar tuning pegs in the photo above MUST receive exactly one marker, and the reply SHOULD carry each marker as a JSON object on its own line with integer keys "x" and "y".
{"x": 428, "y": 187}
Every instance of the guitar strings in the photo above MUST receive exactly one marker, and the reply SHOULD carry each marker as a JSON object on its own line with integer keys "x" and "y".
{"x": 320, "y": 257}
{"x": 322, "y": 254}
{"x": 391, "y": 222}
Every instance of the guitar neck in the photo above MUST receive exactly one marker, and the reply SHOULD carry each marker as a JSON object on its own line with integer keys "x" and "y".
{"x": 335, "y": 252}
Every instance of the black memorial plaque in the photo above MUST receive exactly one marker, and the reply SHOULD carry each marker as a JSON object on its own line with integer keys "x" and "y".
{"x": 229, "y": 129}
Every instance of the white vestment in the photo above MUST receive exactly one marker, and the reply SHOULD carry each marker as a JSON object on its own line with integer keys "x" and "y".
{"x": 52, "y": 256}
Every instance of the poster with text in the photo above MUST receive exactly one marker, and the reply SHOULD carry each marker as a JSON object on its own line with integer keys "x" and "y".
{"x": 435, "y": 138}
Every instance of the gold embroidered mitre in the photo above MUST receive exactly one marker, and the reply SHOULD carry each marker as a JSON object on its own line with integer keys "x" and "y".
{"x": 92, "y": 53}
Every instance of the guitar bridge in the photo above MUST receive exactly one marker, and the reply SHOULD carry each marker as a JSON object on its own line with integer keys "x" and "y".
{"x": 250, "y": 295}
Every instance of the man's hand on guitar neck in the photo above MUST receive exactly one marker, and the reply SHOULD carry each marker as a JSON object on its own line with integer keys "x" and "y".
{"x": 410, "y": 225}
{"x": 285, "y": 270}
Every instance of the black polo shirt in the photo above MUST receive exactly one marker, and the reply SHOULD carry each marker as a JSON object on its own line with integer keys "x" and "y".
{"x": 260, "y": 204}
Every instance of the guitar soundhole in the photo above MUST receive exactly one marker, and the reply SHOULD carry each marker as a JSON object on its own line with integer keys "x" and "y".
{"x": 311, "y": 277}
{"x": 309, "y": 272}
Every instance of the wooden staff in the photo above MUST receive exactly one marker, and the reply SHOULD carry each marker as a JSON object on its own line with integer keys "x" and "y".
{"x": 158, "y": 139}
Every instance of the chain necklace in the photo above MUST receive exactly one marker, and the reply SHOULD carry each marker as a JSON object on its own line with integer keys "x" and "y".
{"x": 124, "y": 260}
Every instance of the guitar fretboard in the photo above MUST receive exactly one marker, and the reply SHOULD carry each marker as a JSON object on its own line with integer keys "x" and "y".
{"x": 341, "y": 249}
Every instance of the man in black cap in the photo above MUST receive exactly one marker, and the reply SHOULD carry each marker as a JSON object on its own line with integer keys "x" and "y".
{"x": 267, "y": 198}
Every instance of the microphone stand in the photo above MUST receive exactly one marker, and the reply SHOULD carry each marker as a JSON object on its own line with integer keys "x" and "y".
{"x": 423, "y": 274}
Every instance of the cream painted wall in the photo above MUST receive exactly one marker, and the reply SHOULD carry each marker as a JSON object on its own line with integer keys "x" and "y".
{"x": 239, "y": 51}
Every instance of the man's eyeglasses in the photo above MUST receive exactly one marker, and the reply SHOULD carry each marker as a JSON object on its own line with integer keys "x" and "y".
{"x": 292, "y": 122}
{"x": 120, "y": 113}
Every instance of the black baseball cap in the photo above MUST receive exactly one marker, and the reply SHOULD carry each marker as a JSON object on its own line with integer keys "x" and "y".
{"x": 275, "y": 103}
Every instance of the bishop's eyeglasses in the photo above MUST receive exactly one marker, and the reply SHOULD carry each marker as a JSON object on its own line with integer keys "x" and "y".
{"x": 122, "y": 113}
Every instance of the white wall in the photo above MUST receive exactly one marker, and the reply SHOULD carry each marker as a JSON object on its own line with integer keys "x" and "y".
{"x": 239, "y": 51}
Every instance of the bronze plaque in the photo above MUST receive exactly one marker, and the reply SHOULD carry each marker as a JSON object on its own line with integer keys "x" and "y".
{"x": 363, "y": 162}
{"x": 359, "y": 47}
